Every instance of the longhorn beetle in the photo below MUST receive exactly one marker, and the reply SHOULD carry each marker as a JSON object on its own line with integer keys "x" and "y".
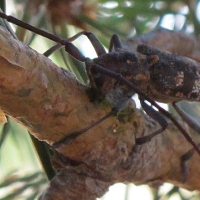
{"x": 130, "y": 71}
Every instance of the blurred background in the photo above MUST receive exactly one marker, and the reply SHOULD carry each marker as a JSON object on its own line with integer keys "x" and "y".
{"x": 24, "y": 162}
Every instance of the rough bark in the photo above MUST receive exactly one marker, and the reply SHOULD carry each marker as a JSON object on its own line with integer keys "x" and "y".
{"x": 167, "y": 40}
{"x": 51, "y": 104}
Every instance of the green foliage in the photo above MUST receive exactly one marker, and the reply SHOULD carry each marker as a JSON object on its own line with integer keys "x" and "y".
{"x": 20, "y": 168}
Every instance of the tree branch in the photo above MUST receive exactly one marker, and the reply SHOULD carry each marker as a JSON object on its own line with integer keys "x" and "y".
{"x": 51, "y": 103}
{"x": 167, "y": 40}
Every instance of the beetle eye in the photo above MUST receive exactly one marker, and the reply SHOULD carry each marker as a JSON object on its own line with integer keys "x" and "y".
{"x": 96, "y": 75}
{"x": 99, "y": 80}
{"x": 127, "y": 57}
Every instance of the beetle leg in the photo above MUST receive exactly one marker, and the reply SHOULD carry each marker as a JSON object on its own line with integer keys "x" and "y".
{"x": 195, "y": 126}
{"x": 93, "y": 39}
{"x": 187, "y": 118}
{"x": 69, "y": 138}
{"x": 99, "y": 49}
{"x": 115, "y": 43}
{"x": 157, "y": 117}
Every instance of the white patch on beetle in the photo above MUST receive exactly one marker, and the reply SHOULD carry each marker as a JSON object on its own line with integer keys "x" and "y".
{"x": 179, "y": 95}
{"x": 196, "y": 88}
{"x": 179, "y": 78}
{"x": 129, "y": 62}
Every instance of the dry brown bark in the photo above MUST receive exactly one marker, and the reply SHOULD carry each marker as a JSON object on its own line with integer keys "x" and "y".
{"x": 51, "y": 104}
{"x": 174, "y": 42}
